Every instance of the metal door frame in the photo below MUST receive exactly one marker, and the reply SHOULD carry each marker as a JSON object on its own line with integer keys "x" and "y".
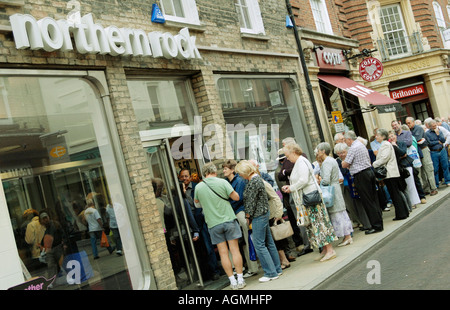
{"x": 169, "y": 170}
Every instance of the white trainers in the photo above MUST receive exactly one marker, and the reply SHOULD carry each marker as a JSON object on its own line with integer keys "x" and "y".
{"x": 267, "y": 279}
{"x": 241, "y": 285}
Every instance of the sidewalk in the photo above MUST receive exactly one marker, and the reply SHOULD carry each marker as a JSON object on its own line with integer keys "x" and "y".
{"x": 306, "y": 273}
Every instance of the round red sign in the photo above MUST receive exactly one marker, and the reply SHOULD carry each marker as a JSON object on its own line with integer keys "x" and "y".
{"x": 371, "y": 69}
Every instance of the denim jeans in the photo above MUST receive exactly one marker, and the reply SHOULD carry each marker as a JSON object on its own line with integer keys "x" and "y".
{"x": 97, "y": 235}
{"x": 265, "y": 248}
{"x": 440, "y": 159}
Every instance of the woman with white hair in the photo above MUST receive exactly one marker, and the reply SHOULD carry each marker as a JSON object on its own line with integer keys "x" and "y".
{"x": 329, "y": 173}
{"x": 320, "y": 232}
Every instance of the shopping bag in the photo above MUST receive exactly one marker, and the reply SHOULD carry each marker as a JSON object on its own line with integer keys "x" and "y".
{"x": 302, "y": 213}
{"x": 251, "y": 247}
{"x": 328, "y": 195}
{"x": 412, "y": 152}
{"x": 104, "y": 241}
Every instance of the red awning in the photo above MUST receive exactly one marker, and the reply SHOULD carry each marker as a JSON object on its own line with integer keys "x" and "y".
{"x": 379, "y": 100}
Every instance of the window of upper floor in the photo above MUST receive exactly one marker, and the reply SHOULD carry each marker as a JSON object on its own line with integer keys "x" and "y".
{"x": 250, "y": 18}
{"x": 439, "y": 15}
{"x": 321, "y": 17}
{"x": 395, "y": 37}
{"x": 183, "y": 11}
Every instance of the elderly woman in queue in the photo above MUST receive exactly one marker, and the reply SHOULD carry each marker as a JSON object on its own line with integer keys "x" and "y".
{"x": 329, "y": 174}
{"x": 404, "y": 162}
{"x": 257, "y": 213}
{"x": 386, "y": 157}
{"x": 320, "y": 231}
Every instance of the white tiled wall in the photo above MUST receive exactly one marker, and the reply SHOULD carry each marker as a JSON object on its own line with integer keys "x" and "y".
{"x": 10, "y": 267}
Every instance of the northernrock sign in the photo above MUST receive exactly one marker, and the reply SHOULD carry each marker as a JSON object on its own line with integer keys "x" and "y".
{"x": 92, "y": 38}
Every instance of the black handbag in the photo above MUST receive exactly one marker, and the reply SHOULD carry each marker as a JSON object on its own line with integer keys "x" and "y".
{"x": 380, "y": 172}
{"x": 312, "y": 199}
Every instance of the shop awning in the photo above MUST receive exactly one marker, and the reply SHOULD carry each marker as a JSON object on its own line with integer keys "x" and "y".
{"x": 383, "y": 103}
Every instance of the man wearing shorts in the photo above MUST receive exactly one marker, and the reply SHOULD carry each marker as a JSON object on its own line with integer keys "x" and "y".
{"x": 213, "y": 193}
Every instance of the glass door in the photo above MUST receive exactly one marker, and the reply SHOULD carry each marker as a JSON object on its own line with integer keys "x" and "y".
{"x": 177, "y": 214}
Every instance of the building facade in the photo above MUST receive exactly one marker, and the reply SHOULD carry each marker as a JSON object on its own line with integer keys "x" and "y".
{"x": 411, "y": 40}
{"x": 103, "y": 101}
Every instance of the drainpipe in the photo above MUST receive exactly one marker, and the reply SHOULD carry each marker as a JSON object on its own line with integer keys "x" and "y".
{"x": 305, "y": 70}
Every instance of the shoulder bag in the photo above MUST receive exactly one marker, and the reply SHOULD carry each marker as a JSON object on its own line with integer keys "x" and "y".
{"x": 313, "y": 198}
{"x": 328, "y": 195}
{"x": 214, "y": 191}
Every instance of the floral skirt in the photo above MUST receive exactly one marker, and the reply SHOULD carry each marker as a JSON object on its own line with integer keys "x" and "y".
{"x": 321, "y": 231}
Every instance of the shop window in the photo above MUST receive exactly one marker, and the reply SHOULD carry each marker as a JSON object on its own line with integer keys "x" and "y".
{"x": 56, "y": 157}
{"x": 161, "y": 104}
{"x": 321, "y": 18}
{"x": 184, "y": 11}
{"x": 260, "y": 103}
{"x": 250, "y": 17}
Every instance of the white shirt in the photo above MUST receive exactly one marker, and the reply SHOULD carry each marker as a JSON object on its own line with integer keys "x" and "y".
{"x": 92, "y": 216}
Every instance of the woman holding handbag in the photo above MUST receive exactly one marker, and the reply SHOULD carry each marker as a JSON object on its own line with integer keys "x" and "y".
{"x": 386, "y": 157}
{"x": 277, "y": 223}
{"x": 329, "y": 174}
{"x": 320, "y": 231}
{"x": 257, "y": 213}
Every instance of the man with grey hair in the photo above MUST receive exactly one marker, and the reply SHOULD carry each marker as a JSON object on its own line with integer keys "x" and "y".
{"x": 224, "y": 229}
{"x": 360, "y": 167}
{"x": 427, "y": 169}
{"x": 439, "y": 156}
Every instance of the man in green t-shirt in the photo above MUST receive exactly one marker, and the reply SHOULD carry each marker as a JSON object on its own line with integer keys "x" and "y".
{"x": 213, "y": 193}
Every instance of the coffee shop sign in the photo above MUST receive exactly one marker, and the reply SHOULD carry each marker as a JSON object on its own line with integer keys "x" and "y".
{"x": 92, "y": 38}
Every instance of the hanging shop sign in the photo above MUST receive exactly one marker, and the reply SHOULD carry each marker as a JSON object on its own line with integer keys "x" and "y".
{"x": 407, "y": 92}
{"x": 92, "y": 38}
{"x": 331, "y": 58}
{"x": 371, "y": 69}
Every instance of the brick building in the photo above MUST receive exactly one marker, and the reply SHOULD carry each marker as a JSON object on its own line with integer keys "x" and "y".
{"x": 96, "y": 99}
{"x": 408, "y": 37}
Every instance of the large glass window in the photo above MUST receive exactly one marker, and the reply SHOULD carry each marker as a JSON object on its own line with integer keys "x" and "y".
{"x": 160, "y": 104}
{"x": 59, "y": 177}
{"x": 260, "y": 113}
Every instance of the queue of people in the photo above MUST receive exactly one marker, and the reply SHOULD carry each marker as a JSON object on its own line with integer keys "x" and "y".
{"x": 240, "y": 209}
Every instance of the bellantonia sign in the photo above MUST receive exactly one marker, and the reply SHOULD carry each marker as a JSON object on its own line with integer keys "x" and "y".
{"x": 92, "y": 38}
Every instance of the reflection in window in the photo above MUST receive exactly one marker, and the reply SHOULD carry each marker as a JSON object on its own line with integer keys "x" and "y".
{"x": 254, "y": 103}
{"x": 161, "y": 104}
{"x": 52, "y": 160}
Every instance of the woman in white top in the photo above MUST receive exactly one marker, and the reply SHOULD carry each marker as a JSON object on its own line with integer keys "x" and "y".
{"x": 320, "y": 231}
{"x": 386, "y": 157}
{"x": 329, "y": 174}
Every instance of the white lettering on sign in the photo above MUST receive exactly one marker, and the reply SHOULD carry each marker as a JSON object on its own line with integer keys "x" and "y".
{"x": 332, "y": 58}
{"x": 93, "y": 38}
{"x": 407, "y": 92}
{"x": 359, "y": 91}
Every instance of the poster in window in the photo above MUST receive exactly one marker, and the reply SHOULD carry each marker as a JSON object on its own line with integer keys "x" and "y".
{"x": 275, "y": 98}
